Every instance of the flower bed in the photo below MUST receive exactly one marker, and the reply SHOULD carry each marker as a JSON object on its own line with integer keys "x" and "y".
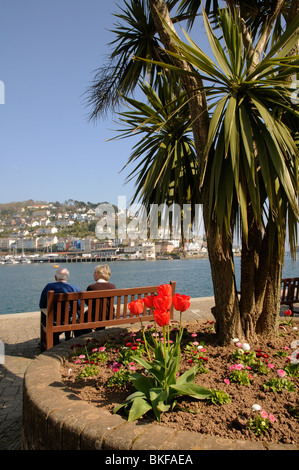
{"x": 240, "y": 391}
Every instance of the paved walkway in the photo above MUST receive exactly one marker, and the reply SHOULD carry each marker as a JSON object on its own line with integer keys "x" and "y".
{"x": 20, "y": 334}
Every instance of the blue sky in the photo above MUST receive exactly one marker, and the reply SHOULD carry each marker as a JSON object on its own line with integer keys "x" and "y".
{"x": 49, "y": 150}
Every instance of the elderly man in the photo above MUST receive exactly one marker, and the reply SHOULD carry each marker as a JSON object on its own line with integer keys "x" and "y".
{"x": 60, "y": 285}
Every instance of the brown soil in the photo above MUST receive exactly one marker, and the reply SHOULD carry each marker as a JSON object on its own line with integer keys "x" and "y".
{"x": 229, "y": 420}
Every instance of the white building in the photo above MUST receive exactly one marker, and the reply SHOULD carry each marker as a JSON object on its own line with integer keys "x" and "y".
{"x": 148, "y": 250}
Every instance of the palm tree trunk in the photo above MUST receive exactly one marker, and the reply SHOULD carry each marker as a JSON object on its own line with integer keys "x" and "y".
{"x": 260, "y": 283}
{"x": 226, "y": 310}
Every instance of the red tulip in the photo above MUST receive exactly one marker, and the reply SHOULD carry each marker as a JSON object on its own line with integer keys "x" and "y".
{"x": 181, "y": 302}
{"x": 165, "y": 290}
{"x": 162, "y": 317}
{"x": 162, "y": 302}
{"x": 148, "y": 301}
{"x": 136, "y": 307}
{"x": 288, "y": 313}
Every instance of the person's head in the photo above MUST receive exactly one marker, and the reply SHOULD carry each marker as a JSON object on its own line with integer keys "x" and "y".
{"x": 62, "y": 274}
{"x": 102, "y": 271}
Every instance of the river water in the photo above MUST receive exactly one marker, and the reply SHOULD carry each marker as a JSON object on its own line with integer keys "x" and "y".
{"x": 21, "y": 284}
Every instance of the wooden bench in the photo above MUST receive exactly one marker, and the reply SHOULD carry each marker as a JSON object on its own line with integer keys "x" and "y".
{"x": 70, "y": 317}
{"x": 290, "y": 292}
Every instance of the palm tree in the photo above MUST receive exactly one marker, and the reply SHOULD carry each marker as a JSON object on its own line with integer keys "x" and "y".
{"x": 166, "y": 169}
{"x": 264, "y": 224}
{"x": 135, "y": 35}
{"x": 249, "y": 166}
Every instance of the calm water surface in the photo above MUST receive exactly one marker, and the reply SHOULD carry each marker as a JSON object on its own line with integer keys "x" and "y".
{"x": 21, "y": 284}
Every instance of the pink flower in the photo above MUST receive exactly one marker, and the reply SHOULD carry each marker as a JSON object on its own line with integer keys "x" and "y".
{"x": 270, "y": 366}
{"x": 115, "y": 367}
{"x": 281, "y": 373}
{"x": 264, "y": 414}
{"x": 271, "y": 418}
{"x": 226, "y": 381}
{"x": 102, "y": 349}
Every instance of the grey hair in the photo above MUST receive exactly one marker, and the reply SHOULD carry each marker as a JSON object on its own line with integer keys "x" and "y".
{"x": 62, "y": 274}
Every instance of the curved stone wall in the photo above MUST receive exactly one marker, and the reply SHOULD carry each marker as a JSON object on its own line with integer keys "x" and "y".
{"x": 54, "y": 419}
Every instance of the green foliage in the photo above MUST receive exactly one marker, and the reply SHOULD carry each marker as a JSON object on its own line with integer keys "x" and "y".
{"x": 258, "y": 425}
{"x": 88, "y": 371}
{"x": 126, "y": 354}
{"x": 250, "y": 359}
{"x": 278, "y": 383}
{"x": 240, "y": 377}
{"x": 159, "y": 388}
{"x": 167, "y": 169}
{"x": 249, "y": 147}
{"x": 218, "y": 397}
{"x": 292, "y": 370}
{"x": 119, "y": 378}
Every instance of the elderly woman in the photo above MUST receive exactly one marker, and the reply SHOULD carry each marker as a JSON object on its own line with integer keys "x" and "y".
{"x": 101, "y": 276}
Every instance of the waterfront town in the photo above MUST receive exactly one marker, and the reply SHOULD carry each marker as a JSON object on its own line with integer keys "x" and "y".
{"x": 43, "y": 232}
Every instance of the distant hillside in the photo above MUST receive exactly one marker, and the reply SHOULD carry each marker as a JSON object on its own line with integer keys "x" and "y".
{"x": 69, "y": 204}
{"x": 19, "y": 204}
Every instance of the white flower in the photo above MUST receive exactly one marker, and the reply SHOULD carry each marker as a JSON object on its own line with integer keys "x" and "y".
{"x": 240, "y": 351}
{"x": 256, "y": 407}
{"x": 235, "y": 340}
{"x": 246, "y": 347}
{"x": 295, "y": 344}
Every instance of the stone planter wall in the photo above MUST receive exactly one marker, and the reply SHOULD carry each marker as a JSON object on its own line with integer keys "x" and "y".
{"x": 56, "y": 419}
